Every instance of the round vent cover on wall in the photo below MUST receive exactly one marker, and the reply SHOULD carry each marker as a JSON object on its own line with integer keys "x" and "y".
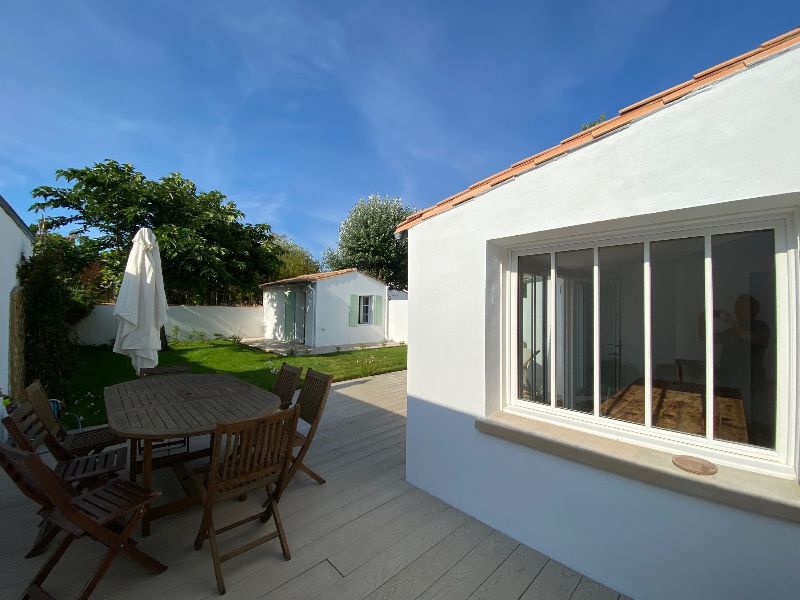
{"x": 692, "y": 464}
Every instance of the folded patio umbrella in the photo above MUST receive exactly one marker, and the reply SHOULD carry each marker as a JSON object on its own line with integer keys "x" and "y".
{"x": 141, "y": 308}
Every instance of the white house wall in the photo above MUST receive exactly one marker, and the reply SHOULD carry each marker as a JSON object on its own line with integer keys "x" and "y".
{"x": 13, "y": 244}
{"x": 332, "y": 326}
{"x": 735, "y": 141}
{"x": 397, "y": 316}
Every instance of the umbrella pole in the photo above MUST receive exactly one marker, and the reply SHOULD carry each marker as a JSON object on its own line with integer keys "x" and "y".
{"x": 164, "y": 342}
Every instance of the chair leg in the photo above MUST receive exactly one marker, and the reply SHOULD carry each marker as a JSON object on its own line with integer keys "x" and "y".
{"x": 273, "y": 508}
{"x": 145, "y": 559}
{"x": 51, "y": 562}
{"x": 212, "y": 540}
{"x": 315, "y": 476}
{"x": 202, "y": 533}
{"x": 47, "y": 531}
{"x": 101, "y": 569}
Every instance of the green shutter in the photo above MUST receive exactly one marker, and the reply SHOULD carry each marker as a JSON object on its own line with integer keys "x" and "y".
{"x": 289, "y": 305}
{"x": 377, "y": 310}
{"x": 353, "y": 310}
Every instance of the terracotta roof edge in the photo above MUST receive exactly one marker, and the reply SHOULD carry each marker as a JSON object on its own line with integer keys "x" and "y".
{"x": 626, "y": 116}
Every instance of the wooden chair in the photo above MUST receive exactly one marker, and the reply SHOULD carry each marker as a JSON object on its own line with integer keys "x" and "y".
{"x": 107, "y": 514}
{"x": 286, "y": 384}
{"x": 311, "y": 402}
{"x": 29, "y": 434}
{"x": 246, "y": 455}
{"x": 78, "y": 443}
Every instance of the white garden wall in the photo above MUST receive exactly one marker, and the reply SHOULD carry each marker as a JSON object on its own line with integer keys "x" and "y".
{"x": 243, "y": 321}
{"x": 735, "y": 141}
{"x": 13, "y": 243}
{"x": 397, "y": 315}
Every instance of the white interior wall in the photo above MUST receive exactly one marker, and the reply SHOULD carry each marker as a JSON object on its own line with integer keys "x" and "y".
{"x": 332, "y": 327}
{"x": 736, "y": 140}
{"x": 13, "y": 244}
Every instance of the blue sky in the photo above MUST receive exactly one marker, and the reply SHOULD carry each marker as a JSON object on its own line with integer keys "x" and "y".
{"x": 297, "y": 109}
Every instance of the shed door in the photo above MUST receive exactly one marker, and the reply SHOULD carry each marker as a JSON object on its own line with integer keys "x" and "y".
{"x": 289, "y": 309}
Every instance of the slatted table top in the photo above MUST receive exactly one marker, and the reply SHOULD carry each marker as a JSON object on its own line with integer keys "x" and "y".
{"x": 169, "y": 406}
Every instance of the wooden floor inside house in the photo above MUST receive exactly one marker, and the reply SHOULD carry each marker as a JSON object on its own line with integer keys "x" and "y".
{"x": 367, "y": 533}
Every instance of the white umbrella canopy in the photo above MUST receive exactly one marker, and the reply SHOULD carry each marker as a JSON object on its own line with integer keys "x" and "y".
{"x": 141, "y": 308}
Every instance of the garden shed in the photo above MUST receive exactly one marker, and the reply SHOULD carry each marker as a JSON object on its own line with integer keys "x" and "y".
{"x": 334, "y": 308}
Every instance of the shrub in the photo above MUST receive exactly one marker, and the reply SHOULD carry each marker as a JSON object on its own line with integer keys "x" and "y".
{"x": 50, "y": 350}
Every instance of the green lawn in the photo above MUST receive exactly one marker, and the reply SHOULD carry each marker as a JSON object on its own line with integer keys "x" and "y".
{"x": 99, "y": 367}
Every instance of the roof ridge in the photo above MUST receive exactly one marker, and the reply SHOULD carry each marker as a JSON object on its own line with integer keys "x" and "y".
{"x": 625, "y": 116}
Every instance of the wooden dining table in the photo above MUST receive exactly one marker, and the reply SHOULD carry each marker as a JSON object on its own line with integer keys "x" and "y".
{"x": 168, "y": 407}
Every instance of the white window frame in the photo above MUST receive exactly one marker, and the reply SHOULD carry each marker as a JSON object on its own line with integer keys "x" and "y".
{"x": 361, "y": 306}
{"x": 782, "y": 460}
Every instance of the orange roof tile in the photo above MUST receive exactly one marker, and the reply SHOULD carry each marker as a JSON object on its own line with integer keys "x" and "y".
{"x": 626, "y": 116}
{"x": 309, "y": 278}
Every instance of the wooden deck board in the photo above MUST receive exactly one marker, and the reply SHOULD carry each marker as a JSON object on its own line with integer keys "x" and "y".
{"x": 367, "y": 533}
{"x": 466, "y": 575}
{"x": 512, "y": 578}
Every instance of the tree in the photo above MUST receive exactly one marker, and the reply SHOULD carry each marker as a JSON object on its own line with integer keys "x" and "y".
{"x": 367, "y": 242}
{"x": 208, "y": 254}
{"x": 295, "y": 260}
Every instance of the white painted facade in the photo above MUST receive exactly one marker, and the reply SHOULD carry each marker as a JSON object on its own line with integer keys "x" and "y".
{"x": 15, "y": 241}
{"x": 397, "y": 328}
{"x": 726, "y": 153}
{"x": 187, "y": 321}
{"x": 322, "y": 311}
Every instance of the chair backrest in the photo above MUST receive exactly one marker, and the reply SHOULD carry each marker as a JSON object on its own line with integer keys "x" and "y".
{"x": 36, "y": 395}
{"x": 29, "y": 433}
{"x": 147, "y": 372}
{"x": 34, "y": 479}
{"x": 286, "y": 384}
{"x": 246, "y": 453}
{"x": 313, "y": 396}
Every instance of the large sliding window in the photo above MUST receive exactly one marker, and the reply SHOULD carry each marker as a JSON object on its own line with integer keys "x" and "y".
{"x": 672, "y": 335}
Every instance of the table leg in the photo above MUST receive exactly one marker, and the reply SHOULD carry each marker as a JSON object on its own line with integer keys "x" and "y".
{"x": 147, "y": 481}
{"x": 132, "y": 452}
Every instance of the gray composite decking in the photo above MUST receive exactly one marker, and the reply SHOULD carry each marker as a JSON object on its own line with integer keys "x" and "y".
{"x": 367, "y": 533}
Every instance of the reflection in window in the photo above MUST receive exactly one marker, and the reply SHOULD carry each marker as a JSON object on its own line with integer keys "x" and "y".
{"x": 622, "y": 332}
{"x": 677, "y": 289}
{"x": 575, "y": 330}
{"x": 744, "y": 337}
{"x": 534, "y": 276}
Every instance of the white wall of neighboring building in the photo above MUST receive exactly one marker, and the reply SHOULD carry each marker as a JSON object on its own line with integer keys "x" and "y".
{"x": 243, "y": 321}
{"x": 397, "y": 315}
{"x": 13, "y": 244}
{"x": 275, "y": 312}
{"x": 731, "y": 148}
{"x": 332, "y": 327}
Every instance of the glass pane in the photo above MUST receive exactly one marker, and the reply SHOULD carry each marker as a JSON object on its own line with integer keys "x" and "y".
{"x": 575, "y": 330}
{"x": 744, "y": 337}
{"x": 534, "y": 276}
{"x": 677, "y": 288}
{"x": 622, "y": 332}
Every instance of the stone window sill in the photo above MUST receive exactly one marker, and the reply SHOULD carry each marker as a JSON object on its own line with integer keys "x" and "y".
{"x": 754, "y": 492}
